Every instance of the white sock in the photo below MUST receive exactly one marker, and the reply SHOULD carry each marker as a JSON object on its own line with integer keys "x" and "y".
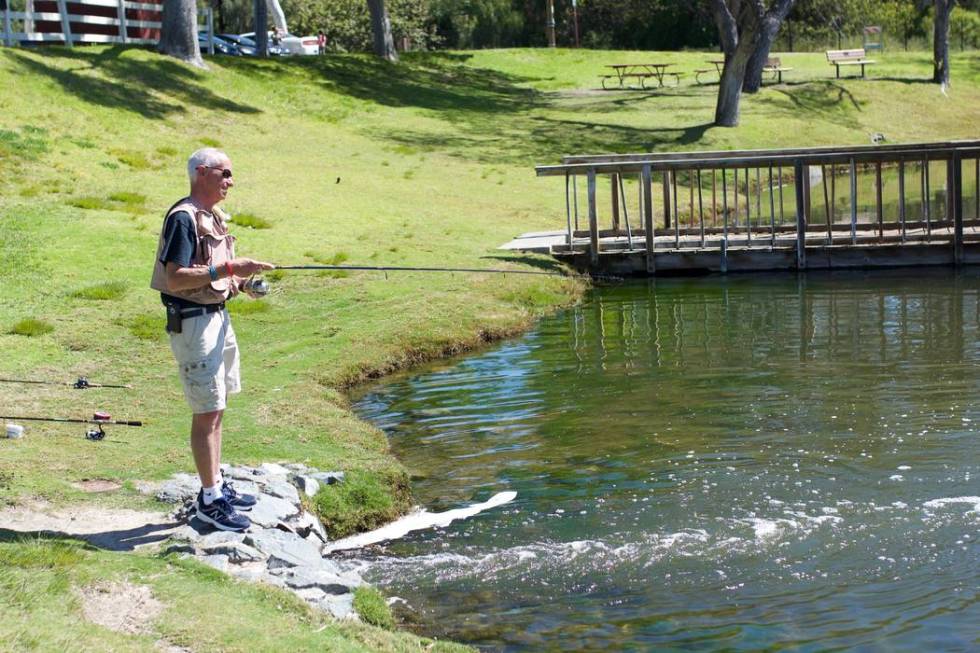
{"x": 210, "y": 494}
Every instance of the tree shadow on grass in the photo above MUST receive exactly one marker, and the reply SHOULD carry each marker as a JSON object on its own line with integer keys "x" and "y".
{"x": 110, "y": 79}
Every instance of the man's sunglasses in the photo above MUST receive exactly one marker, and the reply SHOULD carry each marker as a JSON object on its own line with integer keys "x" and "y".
{"x": 225, "y": 172}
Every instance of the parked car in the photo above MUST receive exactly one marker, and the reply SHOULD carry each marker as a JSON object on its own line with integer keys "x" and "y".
{"x": 249, "y": 47}
{"x": 221, "y": 46}
{"x": 291, "y": 44}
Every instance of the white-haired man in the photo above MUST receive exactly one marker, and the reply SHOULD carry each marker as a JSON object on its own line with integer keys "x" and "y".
{"x": 196, "y": 271}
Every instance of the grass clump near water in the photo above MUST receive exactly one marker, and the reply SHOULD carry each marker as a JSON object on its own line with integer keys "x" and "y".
{"x": 363, "y": 501}
{"x": 371, "y": 606}
{"x": 31, "y": 328}
{"x": 106, "y": 291}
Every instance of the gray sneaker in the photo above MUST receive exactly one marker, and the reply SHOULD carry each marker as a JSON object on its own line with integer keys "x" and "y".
{"x": 221, "y": 514}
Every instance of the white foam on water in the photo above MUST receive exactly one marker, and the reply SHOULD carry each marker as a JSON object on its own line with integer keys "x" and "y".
{"x": 948, "y": 501}
{"x": 418, "y": 520}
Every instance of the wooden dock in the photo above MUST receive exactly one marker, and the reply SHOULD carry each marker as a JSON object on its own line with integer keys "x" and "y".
{"x": 814, "y": 208}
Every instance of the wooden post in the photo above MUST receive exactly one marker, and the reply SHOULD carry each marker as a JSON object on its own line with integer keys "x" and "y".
{"x": 748, "y": 207}
{"x": 568, "y": 214}
{"x": 802, "y": 181}
{"x": 878, "y": 207}
{"x": 901, "y": 195}
{"x": 700, "y": 207}
{"x": 65, "y": 24}
{"x": 7, "y": 41}
{"x": 955, "y": 192}
{"x": 724, "y": 215}
{"x": 677, "y": 216}
{"x": 772, "y": 211}
{"x": 827, "y": 206}
{"x": 667, "y": 175}
{"x": 209, "y": 17}
{"x": 646, "y": 188}
{"x": 123, "y": 27}
{"x": 593, "y": 221}
{"x": 807, "y": 193}
{"x": 614, "y": 187}
{"x": 854, "y": 202}
{"x": 926, "y": 204}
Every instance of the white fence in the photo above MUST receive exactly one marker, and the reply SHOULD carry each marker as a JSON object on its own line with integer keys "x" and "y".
{"x": 20, "y": 27}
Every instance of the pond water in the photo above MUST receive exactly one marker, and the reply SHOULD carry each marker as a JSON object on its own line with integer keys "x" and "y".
{"x": 714, "y": 463}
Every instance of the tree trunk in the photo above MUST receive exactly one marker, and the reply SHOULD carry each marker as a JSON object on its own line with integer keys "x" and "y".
{"x": 727, "y": 26}
{"x": 769, "y": 25}
{"x": 730, "y": 86}
{"x": 384, "y": 44}
{"x": 940, "y": 42}
{"x": 178, "y": 32}
{"x": 261, "y": 27}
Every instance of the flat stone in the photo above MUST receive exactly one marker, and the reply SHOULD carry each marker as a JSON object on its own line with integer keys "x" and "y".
{"x": 245, "y": 487}
{"x": 180, "y": 488}
{"x": 220, "y": 537}
{"x": 269, "y": 511}
{"x": 240, "y": 473}
{"x": 308, "y": 485}
{"x": 341, "y": 607}
{"x": 328, "y": 478}
{"x": 249, "y": 571}
{"x": 219, "y": 562}
{"x": 309, "y": 527}
{"x": 283, "y": 489}
{"x": 284, "y": 549}
{"x": 186, "y": 533}
{"x": 274, "y": 469}
{"x": 236, "y": 552}
{"x": 326, "y": 576}
{"x": 311, "y": 594}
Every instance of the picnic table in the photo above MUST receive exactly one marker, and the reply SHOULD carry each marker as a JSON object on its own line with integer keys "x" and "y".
{"x": 639, "y": 71}
{"x": 719, "y": 66}
{"x": 773, "y": 66}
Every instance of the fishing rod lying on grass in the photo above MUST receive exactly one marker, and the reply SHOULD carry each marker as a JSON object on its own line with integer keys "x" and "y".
{"x": 81, "y": 383}
{"x": 100, "y": 419}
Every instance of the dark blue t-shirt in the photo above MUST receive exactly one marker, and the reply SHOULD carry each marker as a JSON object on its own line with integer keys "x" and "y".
{"x": 179, "y": 246}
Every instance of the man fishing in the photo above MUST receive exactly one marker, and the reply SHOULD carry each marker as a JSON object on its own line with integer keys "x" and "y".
{"x": 196, "y": 271}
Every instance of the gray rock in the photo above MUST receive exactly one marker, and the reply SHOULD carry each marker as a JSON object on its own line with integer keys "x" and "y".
{"x": 328, "y": 478}
{"x": 269, "y": 511}
{"x": 220, "y": 537}
{"x": 326, "y": 576}
{"x": 180, "y": 488}
{"x": 296, "y": 467}
{"x": 284, "y": 549}
{"x": 236, "y": 552}
{"x": 179, "y": 547}
{"x": 308, "y": 485}
{"x": 219, "y": 562}
{"x": 341, "y": 607}
{"x": 311, "y": 594}
{"x": 240, "y": 473}
{"x": 249, "y": 571}
{"x": 309, "y": 527}
{"x": 186, "y": 533}
{"x": 245, "y": 487}
{"x": 273, "y": 469}
{"x": 283, "y": 489}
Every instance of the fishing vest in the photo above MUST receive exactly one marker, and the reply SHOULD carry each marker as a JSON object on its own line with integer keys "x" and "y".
{"x": 214, "y": 246}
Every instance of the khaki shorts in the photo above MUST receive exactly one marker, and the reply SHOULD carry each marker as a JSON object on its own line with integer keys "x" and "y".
{"x": 207, "y": 360}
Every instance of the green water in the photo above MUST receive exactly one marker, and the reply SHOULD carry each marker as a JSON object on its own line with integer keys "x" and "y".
{"x": 703, "y": 464}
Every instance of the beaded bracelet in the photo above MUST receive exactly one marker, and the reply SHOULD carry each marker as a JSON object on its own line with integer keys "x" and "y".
{"x": 213, "y": 272}
{"x": 231, "y": 270}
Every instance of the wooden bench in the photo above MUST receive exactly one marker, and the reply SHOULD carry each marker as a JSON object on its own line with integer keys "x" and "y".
{"x": 775, "y": 67}
{"x": 855, "y": 57}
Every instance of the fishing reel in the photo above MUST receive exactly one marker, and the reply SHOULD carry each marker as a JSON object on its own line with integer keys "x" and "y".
{"x": 256, "y": 286}
{"x": 98, "y": 433}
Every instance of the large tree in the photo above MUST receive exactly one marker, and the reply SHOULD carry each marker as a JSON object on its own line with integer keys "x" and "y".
{"x": 744, "y": 26}
{"x": 178, "y": 33}
{"x": 769, "y": 24}
{"x": 384, "y": 44}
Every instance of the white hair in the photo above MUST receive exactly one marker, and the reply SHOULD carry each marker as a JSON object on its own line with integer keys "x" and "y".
{"x": 206, "y": 156}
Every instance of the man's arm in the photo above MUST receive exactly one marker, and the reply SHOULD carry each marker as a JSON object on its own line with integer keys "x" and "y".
{"x": 187, "y": 278}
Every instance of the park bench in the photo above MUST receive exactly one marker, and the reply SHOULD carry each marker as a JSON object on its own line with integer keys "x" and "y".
{"x": 775, "y": 67}
{"x": 855, "y": 57}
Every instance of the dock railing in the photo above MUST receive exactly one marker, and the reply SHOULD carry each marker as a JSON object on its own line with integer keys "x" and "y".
{"x": 772, "y": 199}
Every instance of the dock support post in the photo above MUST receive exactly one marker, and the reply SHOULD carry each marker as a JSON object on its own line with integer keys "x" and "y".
{"x": 854, "y": 202}
{"x": 614, "y": 187}
{"x": 667, "y": 174}
{"x": 955, "y": 193}
{"x": 646, "y": 187}
{"x": 593, "y": 222}
{"x": 802, "y": 181}
{"x": 878, "y": 207}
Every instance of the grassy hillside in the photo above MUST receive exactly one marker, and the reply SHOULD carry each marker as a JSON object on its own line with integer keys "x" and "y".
{"x": 337, "y": 159}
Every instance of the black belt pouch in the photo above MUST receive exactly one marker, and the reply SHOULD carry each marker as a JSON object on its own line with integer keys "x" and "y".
{"x": 174, "y": 320}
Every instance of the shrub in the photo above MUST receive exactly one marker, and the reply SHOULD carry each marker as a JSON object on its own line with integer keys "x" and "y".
{"x": 31, "y": 327}
{"x": 89, "y": 203}
{"x": 108, "y": 290}
{"x": 251, "y": 221}
{"x": 371, "y": 606}
{"x": 364, "y": 500}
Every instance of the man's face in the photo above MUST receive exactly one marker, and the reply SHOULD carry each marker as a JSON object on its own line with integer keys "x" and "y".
{"x": 214, "y": 181}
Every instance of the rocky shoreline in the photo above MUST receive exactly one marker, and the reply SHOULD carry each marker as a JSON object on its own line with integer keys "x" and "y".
{"x": 284, "y": 547}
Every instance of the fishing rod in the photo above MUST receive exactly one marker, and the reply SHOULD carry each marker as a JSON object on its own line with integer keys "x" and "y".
{"x": 100, "y": 419}
{"x": 81, "y": 383}
{"x": 401, "y": 268}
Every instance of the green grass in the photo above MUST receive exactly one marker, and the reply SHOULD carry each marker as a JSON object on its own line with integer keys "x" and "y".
{"x": 427, "y": 163}
{"x": 250, "y": 221}
{"x": 40, "y": 579}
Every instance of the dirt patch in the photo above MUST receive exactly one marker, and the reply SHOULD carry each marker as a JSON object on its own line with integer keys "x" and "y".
{"x": 122, "y": 607}
{"x": 107, "y": 528}
{"x": 97, "y": 485}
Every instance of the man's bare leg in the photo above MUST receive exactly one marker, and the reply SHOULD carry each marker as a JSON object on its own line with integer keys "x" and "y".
{"x": 206, "y": 445}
